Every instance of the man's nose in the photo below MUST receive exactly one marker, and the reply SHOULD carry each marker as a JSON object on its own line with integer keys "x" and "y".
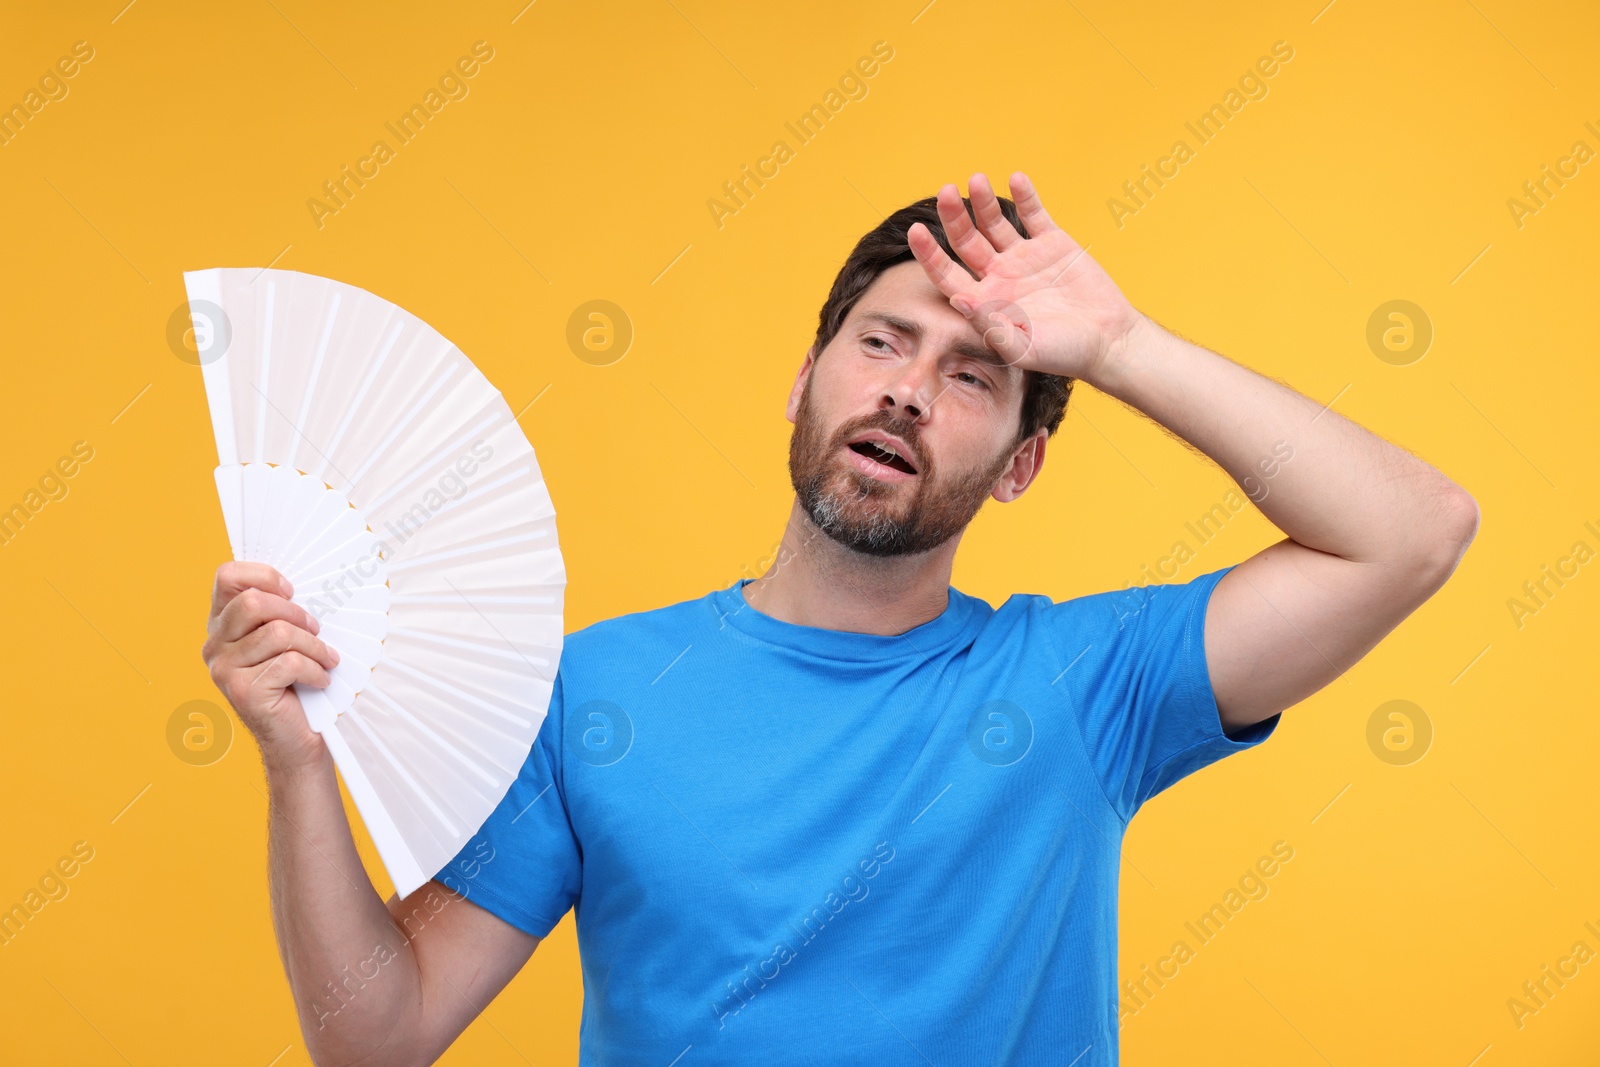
{"x": 913, "y": 389}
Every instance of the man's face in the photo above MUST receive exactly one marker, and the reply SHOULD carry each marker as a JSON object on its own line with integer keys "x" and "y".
{"x": 907, "y": 365}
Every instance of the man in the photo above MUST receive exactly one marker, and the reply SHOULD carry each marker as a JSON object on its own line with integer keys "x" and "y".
{"x": 843, "y": 812}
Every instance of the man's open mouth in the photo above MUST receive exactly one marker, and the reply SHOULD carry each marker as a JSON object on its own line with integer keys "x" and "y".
{"x": 873, "y": 451}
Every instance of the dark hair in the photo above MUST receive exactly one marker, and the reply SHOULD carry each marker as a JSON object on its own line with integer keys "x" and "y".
{"x": 1044, "y": 397}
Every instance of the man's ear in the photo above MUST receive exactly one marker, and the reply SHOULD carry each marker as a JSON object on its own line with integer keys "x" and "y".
{"x": 800, "y": 384}
{"x": 1026, "y": 462}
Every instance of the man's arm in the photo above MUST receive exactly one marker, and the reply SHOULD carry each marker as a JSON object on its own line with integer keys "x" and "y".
{"x": 372, "y": 983}
{"x": 1372, "y": 530}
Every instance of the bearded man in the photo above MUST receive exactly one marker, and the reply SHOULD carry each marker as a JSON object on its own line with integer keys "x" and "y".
{"x": 844, "y": 812}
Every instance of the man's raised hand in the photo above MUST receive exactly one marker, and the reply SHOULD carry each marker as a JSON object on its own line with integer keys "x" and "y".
{"x": 1040, "y": 301}
{"x": 258, "y": 644}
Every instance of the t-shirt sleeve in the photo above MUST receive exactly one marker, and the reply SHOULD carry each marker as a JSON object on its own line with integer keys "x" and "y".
{"x": 1137, "y": 677}
{"x": 525, "y": 865}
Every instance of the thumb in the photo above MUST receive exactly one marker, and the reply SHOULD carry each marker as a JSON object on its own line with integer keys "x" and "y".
{"x": 1004, "y": 328}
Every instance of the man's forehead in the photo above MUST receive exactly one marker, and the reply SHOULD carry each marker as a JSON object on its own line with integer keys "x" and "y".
{"x": 906, "y": 282}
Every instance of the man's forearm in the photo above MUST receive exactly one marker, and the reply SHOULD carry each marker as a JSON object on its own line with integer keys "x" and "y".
{"x": 1321, "y": 479}
{"x": 352, "y": 975}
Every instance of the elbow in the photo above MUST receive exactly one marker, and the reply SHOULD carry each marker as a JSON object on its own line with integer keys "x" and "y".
{"x": 1461, "y": 525}
{"x": 1457, "y": 525}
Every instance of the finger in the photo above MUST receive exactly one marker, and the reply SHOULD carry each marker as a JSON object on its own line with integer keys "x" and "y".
{"x": 279, "y": 636}
{"x": 284, "y": 670}
{"x": 235, "y": 576}
{"x": 1004, "y": 329}
{"x": 950, "y": 277}
{"x": 1029, "y": 208}
{"x": 986, "y": 206}
{"x": 973, "y": 248}
{"x": 255, "y": 607}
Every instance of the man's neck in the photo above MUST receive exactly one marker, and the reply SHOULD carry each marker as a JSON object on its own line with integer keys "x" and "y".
{"x": 815, "y": 581}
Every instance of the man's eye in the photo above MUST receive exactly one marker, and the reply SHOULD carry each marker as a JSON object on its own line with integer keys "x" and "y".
{"x": 975, "y": 379}
{"x": 879, "y": 340}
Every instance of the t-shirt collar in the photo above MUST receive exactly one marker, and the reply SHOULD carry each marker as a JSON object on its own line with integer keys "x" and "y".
{"x": 733, "y": 609}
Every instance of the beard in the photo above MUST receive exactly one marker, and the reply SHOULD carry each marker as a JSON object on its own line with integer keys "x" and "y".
{"x": 873, "y": 517}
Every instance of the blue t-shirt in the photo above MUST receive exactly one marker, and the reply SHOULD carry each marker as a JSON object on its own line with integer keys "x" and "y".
{"x": 787, "y": 844}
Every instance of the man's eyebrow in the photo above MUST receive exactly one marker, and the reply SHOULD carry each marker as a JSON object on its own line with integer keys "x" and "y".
{"x": 970, "y": 349}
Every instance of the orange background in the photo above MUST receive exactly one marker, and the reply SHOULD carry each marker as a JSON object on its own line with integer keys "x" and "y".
{"x": 578, "y": 166}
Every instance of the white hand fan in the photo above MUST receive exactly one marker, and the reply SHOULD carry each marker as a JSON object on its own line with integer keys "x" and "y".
{"x": 368, "y": 460}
